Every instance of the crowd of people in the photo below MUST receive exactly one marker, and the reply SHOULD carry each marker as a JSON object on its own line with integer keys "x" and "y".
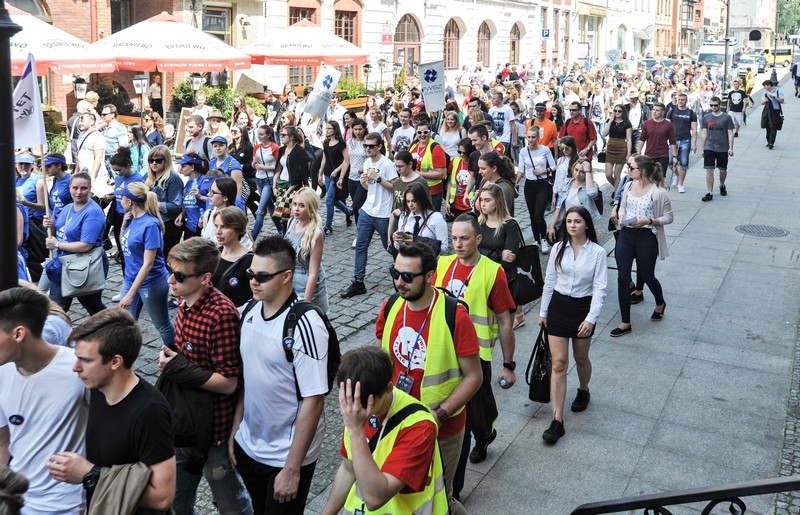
{"x": 249, "y": 355}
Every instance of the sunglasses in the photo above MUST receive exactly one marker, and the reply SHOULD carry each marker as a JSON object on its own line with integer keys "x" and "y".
{"x": 105, "y": 114}
{"x": 262, "y": 277}
{"x": 407, "y": 277}
{"x": 463, "y": 153}
{"x": 574, "y": 110}
{"x": 180, "y": 276}
{"x": 156, "y": 160}
{"x": 284, "y": 135}
{"x": 714, "y": 105}
{"x": 422, "y": 133}
{"x": 617, "y": 110}
{"x": 368, "y": 146}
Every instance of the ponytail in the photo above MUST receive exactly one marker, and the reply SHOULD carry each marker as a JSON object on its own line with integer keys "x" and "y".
{"x": 151, "y": 203}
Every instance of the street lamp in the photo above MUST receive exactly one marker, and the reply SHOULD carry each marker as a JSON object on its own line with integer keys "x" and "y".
{"x": 80, "y": 88}
{"x": 397, "y": 67}
{"x": 197, "y": 81}
{"x": 140, "y": 86}
{"x": 367, "y": 69}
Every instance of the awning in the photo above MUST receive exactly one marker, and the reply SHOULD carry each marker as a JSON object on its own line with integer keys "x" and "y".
{"x": 591, "y": 10}
{"x": 640, "y": 34}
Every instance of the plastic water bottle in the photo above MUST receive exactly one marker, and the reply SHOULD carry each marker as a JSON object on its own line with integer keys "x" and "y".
{"x": 503, "y": 384}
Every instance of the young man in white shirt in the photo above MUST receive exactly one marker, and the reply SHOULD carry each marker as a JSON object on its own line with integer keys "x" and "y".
{"x": 403, "y": 136}
{"x": 503, "y": 122}
{"x": 91, "y": 155}
{"x": 379, "y": 174}
{"x": 278, "y": 426}
{"x": 43, "y": 407}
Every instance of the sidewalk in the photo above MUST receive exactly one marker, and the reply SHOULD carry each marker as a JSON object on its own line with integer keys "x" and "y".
{"x": 697, "y": 399}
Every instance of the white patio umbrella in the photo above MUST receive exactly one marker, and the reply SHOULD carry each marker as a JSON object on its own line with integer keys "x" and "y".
{"x": 304, "y": 44}
{"x": 53, "y": 49}
{"x": 165, "y": 43}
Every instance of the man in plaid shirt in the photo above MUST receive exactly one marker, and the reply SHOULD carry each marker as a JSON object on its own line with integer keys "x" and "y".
{"x": 207, "y": 336}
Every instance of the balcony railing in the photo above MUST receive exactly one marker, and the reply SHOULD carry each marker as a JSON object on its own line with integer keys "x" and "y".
{"x": 729, "y": 494}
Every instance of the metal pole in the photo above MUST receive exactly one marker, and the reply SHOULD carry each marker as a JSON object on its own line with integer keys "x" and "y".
{"x": 774, "y": 75}
{"x": 727, "y": 25}
{"x": 8, "y": 191}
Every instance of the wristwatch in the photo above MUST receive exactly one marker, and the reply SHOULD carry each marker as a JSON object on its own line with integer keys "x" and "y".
{"x": 379, "y": 179}
{"x": 441, "y": 414}
{"x": 90, "y": 479}
{"x": 511, "y": 365}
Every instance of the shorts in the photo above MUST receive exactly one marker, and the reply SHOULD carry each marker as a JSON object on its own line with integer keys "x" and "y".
{"x": 738, "y": 118}
{"x": 684, "y": 147}
{"x": 713, "y": 160}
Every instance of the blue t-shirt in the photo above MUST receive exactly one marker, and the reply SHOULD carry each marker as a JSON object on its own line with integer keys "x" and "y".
{"x": 119, "y": 181}
{"x": 59, "y": 195}
{"x": 143, "y": 233}
{"x": 85, "y": 226}
{"x": 227, "y": 165}
{"x": 26, "y": 229}
{"x": 191, "y": 206}
{"x": 28, "y": 189}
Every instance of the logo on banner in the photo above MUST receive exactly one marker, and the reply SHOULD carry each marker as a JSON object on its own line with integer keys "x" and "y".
{"x": 430, "y": 76}
{"x": 327, "y": 82}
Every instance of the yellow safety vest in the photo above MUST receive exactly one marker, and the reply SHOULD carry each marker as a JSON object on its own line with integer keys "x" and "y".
{"x": 430, "y": 501}
{"x": 476, "y": 295}
{"x": 442, "y": 371}
{"x": 426, "y": 165}
{"x": 453, "y": 185}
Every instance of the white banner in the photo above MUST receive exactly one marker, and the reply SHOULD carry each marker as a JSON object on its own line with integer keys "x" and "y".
{"x": 432, "y": 83}
{"x": 320, "y": 97}
{"x": 28, "y": 119}
{"x": 613, "y": 57}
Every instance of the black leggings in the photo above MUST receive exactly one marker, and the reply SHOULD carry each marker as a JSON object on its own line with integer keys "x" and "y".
{"x": 641, "y": 245}
{"x": 172, "y": 235}
{"x": 538, "y": 194}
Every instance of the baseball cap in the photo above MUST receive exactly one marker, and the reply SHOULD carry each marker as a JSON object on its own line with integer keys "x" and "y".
{"x": 51, "y": 160}
{"x": 540, "y": 106}
{"x": 219, "y": 139}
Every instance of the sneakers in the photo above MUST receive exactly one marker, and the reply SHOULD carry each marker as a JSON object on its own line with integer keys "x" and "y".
{"x": 723, "y": 190}
{"x": 328, "y": 231}
{"x": 117, "y": 297}
{"x": 637, "y": 297}
{"x": 478, "y": 453}
{"x": 355, "y": 240}
{"x": 545, "y": 247}
{"x": 674, "y": 180}
{"x": 681, "y": 188}
{"x": 708, "y": 197}
{"x": 581, "y": 400}
{"x": 554, "y": 432}
{"x": 356, "y": 288}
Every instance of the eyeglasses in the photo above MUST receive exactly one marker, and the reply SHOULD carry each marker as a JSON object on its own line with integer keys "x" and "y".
{"x": 564, "y": 148}
{"x": 407, "y": 277}
{"x": 211, "y": 193}
{"x": 105, "y": 114}
{"x": 262, "y": 277}
{"x": 180, "y": 276}
{"x": 422, "y": 133}
{"x": 156, "y": 160}
{"x": 284, "y": 135}
{"x": 368, "y": 146}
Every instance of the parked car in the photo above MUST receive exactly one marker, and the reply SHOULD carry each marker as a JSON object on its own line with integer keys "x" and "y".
{"x": 747, "y": 62}
{"x": 762, "y": 62}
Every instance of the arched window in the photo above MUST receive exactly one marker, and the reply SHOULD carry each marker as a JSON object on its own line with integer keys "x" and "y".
{"x": 33, "y": 7}
{"x": 513, "y": 56}
{"x": 407, "y": 43}
{"x": 452, "y": 34}
{"x": 484, "y": 39}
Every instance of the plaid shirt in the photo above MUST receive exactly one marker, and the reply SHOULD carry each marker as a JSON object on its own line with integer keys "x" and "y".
{"x": 207, "y": 333}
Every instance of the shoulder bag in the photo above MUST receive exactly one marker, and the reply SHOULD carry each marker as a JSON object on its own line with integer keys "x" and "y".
{"x": 528, "y": 281}
{"x": 82, "y": 274}
{"x": 540, "y": 369}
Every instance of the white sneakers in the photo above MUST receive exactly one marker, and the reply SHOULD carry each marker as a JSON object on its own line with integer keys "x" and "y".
{"x": 544, "y": 246}
{"x": 674, "y": 180}
{"x": 354, "y": 242}
{"x": 117, "y": 297}
{"x": 681, "y": 188}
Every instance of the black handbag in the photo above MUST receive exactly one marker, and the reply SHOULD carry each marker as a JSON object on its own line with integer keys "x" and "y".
{"x": 601, "y": 157}
{"x": 528, "y": 282}
{"x": 540, "y": 369}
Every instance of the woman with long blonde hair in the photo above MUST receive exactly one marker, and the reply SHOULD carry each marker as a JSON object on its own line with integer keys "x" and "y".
{"x": 306, "y": 236}
{"x": 167, "y": 185}
{"x": 145, "y": 279}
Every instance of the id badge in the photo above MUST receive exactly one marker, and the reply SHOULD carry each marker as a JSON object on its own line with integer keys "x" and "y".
{"x": 405, "y": 382}
{"x": 358, "y": 511}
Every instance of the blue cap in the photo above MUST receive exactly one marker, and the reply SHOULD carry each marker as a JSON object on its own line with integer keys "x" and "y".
{"x": 189, "y": 159}
{"x": 123, "y": 191}
{"x": 25, "y": 158}
{"x": 51, "y": 160}
{"x": 219, "y": 139}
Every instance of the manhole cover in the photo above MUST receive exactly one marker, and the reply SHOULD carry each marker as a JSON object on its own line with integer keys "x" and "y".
{"x": 762, "y": 231}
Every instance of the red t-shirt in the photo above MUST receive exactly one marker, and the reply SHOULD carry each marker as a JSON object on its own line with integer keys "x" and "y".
{"x": 403, "y": 336}
{"x": 657, "y": 137}
{"x": 500, "y": 299}
{"x": 411, "y": 456}
{"x": 583, "y": 132}
{"x": 439, "y": 161}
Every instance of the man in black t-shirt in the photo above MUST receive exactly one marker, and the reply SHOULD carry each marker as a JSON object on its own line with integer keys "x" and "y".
{"x": 129, "y": 420}
{"x": 737, "y": 101}
{"x": 684, "y": 120}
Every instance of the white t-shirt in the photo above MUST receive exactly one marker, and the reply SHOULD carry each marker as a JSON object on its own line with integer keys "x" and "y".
{"x": 379, "y": 199}
{"x": 502, "y": 118}
{"x": 449, "y": 142}
{"x": 270, "y": 394}
{"x": 376, "y": 128}
{"x": 45, "y": 413}
{"x": 403, "y": 138}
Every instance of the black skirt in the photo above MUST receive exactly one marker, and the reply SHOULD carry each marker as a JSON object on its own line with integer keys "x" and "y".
{"x": 565, "y": 315}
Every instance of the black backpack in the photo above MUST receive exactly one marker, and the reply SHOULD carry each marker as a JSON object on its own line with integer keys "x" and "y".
{"x": 296, "y": 311}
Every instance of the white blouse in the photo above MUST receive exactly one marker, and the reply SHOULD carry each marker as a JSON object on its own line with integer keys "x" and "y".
{"x": 434, "y": 227}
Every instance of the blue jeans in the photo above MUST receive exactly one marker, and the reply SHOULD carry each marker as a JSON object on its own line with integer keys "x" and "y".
{"x": 330, "y": 201}
{"x": 365, "y": 229}
{"x": 265, "y": 206}
{"x": 226, "y": 486}
{"x": 684, "y": 147}
{"x": 154, "y": 298}
{"x": 92, "y": 303}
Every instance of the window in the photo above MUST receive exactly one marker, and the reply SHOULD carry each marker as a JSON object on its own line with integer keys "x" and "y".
{"x": 302, "y": 13}
{"x": 407, "y": 43}
{"x": 344, "y": 26}
{"x": 121, "y": 15}
{"x": 217, "y": 22}
{"x": 513, "y": 56}
{"x": 484, "y": 40}
{"x": 452, "y": 34}
{"x": 33, "y": 7}
{"x": 301, "y": 75}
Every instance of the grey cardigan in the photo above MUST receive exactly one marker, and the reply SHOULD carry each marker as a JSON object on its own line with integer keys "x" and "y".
{"x": 662, "y": 211}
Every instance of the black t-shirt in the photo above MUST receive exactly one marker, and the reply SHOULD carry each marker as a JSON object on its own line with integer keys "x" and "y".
{"x": 619, "y": 130}
{"x": 682, "y": 122}
{"x": 234, "y": 284}
{"x": 334, "y": 156}
{"x": 736, "y": 99}
{"x": 493, "y": 243}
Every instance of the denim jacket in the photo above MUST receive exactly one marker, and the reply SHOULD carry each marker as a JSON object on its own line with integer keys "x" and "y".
{"x": 586, "y": 198}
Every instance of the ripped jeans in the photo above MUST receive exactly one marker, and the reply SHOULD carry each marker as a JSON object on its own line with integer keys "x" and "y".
{"x": 229, "y": 493}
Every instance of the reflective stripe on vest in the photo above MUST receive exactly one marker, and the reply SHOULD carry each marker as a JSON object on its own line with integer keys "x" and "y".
{"x": 476, "y": 296}
{"x": 432, "y": 500}
{"x": 453, "y": 185}
{"x": 426, "y": 164}
{"x": 442, "y": 370}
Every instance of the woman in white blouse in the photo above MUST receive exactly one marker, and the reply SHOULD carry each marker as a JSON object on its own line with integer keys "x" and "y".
{"x": 418, "y": 219}
{"x": 535, "y": 163}
{"x": 574, "y": 291}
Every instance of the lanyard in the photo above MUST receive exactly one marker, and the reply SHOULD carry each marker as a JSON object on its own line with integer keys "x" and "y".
{"x": 383, "y": 426}
{"x": 419, "y": 334}
{"x": 466, "y": 281}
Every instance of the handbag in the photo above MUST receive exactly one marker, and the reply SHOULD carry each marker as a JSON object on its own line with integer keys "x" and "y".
{"x": 540, "y": 370}
{"x": 432, "y": 243}
{"x": 283, "y": 207}
{"x": 601, "y": 157}
{"x": 528, "y": 282}
{"x": 82, "y": 274}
